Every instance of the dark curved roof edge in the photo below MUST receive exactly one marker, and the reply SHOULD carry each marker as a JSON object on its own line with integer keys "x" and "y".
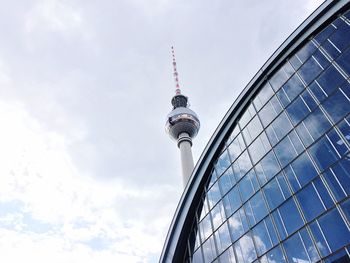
{"x": 176, "y": 240}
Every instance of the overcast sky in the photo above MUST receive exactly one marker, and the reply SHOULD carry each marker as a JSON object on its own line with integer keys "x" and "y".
{"x": 87, "y": 172}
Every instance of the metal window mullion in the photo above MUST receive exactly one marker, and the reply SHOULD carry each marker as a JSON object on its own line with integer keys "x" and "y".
{"x": 321, "y": 231}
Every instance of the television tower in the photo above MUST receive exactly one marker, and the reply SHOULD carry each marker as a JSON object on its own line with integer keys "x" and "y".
{"x": 182, "y": 125}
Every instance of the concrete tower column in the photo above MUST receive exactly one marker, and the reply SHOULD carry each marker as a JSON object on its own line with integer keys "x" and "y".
{"x": 184, "y": 142}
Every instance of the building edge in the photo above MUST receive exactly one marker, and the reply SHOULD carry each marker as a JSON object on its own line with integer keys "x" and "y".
{"x": 176, "y": 240}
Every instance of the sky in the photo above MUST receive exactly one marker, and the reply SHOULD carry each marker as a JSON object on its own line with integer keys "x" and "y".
{"x": 87, "y": 172}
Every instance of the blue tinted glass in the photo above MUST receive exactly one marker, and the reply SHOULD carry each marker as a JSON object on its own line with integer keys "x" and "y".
{"x": 264, "y": 95}
{"x": 242, "y": 165}
{"x": 260, "y": 174}
{"x": 316, "y": 124}
{"x": 304, "y": 169}
{"x": 214, "y": 195}
{"x": 261, "y": 237}
{"x": 346, "y": 208}
{"x": 273, "y": 194}
{"x": 279, "y": 225}
{"x": 341, "y": 37}
{"x": 297, "y": 110}
{"x": 223, "y": 163}
{"x": 285, "y": 151}
{"x": 310, "y": 70}
{"x": 306, "y": 51}
{"x": 271, "y": 230}
{"x": 344, "y": 61}
{"x": 337, "y": 142}
{"x": 218, "y": 215}
{"x": 295, "y": 62}
{"x": 330, "y": 79}
{"x": 232, "y": 201}
{"x": 295, "y": 250}
{"x": 270, "y": 165}
{"x": 298, "y": 146}
{"x": 290, "y": 215}
{"x": 310, "y": 248}
{"x": 337, "y": 105}
{"x": 249, "y": 214}
{"x": 334, "y": 230}
{"x": 319, "y": 238}
{"x": 205, "y": 228}
{"x": 276, "y": 255}
{"x": 209, "y": 250}
{"x": 293, "y": 87}
{"x": 278, "y": 79}
{"x": 292, "y": 178}
{"x": 345, "y": 129}
{"x": 304, "y": 134}
{"x": 310, "y": 102}
{"x": 222, "y": 237}
{"x": 323, "y": 193}
{"x": 245, "y": 249}
{"x": 282, "y": 96}
{"x": 331, "y": 49}
{"x": 258, "y": 206}
{"x": 197, "y": 256}
{"x": 283, "y": 184}
{"x": 322, "y": 36}
{"x": 317, "y": 90}
{"x": 321, "y": 59}
{"x": 276, "y": 105}
{"x": 281, "y": 125}
{"x": 236, "y": 225}
{"x": 236, "y": 147}
{"x": 342, "y": 172}
{"x": 323, "y": 153}
{"x": 226, "y": 181}
{"x": 246, "y": 188}
{"x": 334, "y": 185}
{"x": 310, "y": 202}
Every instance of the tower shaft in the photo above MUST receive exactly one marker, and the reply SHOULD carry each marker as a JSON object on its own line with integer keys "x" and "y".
{"x": 184, "y": 143}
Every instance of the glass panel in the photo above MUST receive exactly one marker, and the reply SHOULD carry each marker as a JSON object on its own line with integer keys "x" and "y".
{"x": 342, "y": 172}
{"x": 258, "y": 206}
{"x": 344, "y": 61}
{"x": 246, "y": 187}
{"x": 323, "y": 193}
{"x": 295, "y": 250}
{"x": 341, "y": 37}
{"x": 228, "y": 256}
{"x": 252, "y": 130}
{"x": 267, "y": 114}
{"x": 218, "y": 215}
{"x": 245, "y": 249}
{"x": 346, "y": 208}
{"x": 222, "y": 237}
{"x": 232, "y": 201}
{"x": 226, "y": 181}
{"x": 209, "y": 250}
{"x": 310, "y": 202}
{"x": 333, "y": 184}
{"x": 223, "y": 163}
{"x": 330, "y": 79}
{"x": 279, "y": 224}
{"x": 264, "y": 95}
{"x": 262, "y": 239}
{"x": 259, "y": 147}
{"x": 339, "y": 257}
{"x": 197, "y": 256}
{"x": 297, "y": 111}
{"x": 205, "y": 228}
{"x": 337, "y": 106}
{"x": 319, "y": 238}
{"x": 273, "y": 194}
{"x": 318, "y": 92}
{"x": 316, "y": 124}
{"x": 276, "y": 255}
{"x": 237, "y": 224}
{"x": 310, "y": 70}
{"x": 242, "y": 165}
{"x": 292, "y": 178}
{"x": 304, "y": 169}
{"x": 213, "y": 195}
{"x": 322, "y": 36}
{"x": 293, "y": 87}
{"x": 285, "y": 151}
{"x": 270, "y": 165}
{"x": 236, "y": 147}
{"x": 290, "y": 215}
{"x": 334, "y": 230}
{"x": 306, "y": 51}
{"x": 309, "y": 246}
{"x": 323, "y": 153}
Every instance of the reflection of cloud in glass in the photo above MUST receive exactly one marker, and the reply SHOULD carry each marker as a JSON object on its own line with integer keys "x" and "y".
{"x": 246, "y": 247}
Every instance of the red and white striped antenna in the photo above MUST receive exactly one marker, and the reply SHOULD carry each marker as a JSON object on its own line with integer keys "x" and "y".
{"x": 176, "y": 75}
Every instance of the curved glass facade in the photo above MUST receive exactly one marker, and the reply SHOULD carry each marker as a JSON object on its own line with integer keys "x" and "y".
{"x": 279, "y": 191}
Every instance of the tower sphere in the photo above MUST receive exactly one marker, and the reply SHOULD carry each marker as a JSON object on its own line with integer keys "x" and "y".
{"x": 182, "y": 120}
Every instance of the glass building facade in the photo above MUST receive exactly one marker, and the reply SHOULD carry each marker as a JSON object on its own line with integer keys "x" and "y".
{"x": 277, "y": 187}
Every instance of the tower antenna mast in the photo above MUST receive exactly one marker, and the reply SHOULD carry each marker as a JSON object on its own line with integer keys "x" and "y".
{"x": 176, "y": 75}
